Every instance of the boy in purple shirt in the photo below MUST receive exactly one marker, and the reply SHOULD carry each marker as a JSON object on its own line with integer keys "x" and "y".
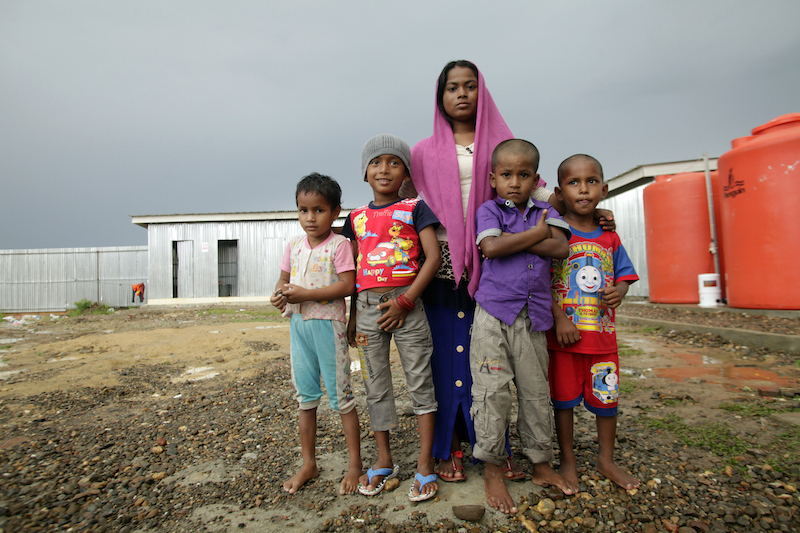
{"x": 518, "y": 236}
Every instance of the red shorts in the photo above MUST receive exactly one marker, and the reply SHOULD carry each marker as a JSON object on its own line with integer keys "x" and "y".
{"x": 593, "y": 378}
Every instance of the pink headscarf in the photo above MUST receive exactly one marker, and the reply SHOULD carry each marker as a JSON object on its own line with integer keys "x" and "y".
{"x": 435, "y": 174}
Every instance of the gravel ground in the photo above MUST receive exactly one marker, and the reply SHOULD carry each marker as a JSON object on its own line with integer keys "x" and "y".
{"x": 136, "y": 457}
{"x": 721, "y": 318}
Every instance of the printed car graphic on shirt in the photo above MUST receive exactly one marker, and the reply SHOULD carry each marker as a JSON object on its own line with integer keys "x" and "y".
{"x": 387, "y": 253}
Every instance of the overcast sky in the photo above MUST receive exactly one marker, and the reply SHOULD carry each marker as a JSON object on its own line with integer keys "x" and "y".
{"x": 117, "y": 108}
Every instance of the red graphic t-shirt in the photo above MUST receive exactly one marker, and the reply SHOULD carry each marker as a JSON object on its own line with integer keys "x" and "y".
{"x": 388, "y": 242}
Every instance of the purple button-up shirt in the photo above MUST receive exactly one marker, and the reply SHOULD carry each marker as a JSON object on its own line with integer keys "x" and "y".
{"x": 509, "y": 283}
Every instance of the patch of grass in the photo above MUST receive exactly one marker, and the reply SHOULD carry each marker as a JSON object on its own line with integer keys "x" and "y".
{"x": 249, "y": 313}
{"x": 787, "y": 449}
{"x": 716, "y": 437}
{"x": 245, "y": 316}
{"x": 628, "y": 351}
{"x": 5, "y": 347}
{"x": 749, "y": 409}
{"x": 648, "y": 329}
{"x": 628, "y": 386}
{"x": 673, "y": 402}
{"x": 85, "y": 306}
{"x": 759, "y": 409}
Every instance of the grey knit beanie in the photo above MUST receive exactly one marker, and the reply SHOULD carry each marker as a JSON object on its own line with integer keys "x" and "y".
{"x": 385, "y": 144}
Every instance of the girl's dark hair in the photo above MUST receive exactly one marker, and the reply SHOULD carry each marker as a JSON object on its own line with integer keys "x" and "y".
{"x": 323, "y": 185}
{"x": 443, "y": 81}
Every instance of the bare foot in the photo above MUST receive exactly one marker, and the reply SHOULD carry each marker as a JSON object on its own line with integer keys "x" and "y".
{"x": 452, "y": 469}
{"x": 569, "y": 471}
{"x": 618, "y": 475}
{"x": 299, "y": 479}
{"x": 496, "y": 492}
{"x": 349, "y": 483}
{"x": 544, "y": 475}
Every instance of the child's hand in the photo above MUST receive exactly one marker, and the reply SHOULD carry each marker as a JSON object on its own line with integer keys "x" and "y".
{"x": 541, "y": 224}
{"x": 611, "y": 297}
{"x": 393, "y": 318}
{"x": 279, "y": 300}
{"x": 295, "y": 294}
{"x": 566, "y": 332}
{"x": 605, "y": 218}
{"x": 351, "y": 331}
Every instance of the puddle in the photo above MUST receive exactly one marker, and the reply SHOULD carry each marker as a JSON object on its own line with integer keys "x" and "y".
{"x": 726, "y": 373}
{"x": 702, "y": 364}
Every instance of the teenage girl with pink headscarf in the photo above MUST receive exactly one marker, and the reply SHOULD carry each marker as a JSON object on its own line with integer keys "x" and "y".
{"x": 451, "y": 170}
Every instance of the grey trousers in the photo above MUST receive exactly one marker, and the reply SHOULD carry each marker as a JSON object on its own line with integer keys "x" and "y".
{"x": 499, "y": 354}
{"x": 413, "y": 340}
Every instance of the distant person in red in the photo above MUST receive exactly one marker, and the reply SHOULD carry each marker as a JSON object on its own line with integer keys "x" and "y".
{"x": 138, "y": 290}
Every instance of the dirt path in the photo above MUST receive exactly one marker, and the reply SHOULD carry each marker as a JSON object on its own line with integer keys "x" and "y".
{"x": 179, "y": 420}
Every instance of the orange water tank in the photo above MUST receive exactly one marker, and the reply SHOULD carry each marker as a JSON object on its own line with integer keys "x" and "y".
{"x": 760, "y": 191}
{"x": 678, "y": 236}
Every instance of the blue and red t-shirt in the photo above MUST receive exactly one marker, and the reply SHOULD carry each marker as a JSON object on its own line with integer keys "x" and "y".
{"x": 388, "y": 241}
{"x": 596, "y": 260}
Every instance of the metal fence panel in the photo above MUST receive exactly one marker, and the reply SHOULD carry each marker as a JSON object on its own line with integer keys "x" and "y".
{"x": 54, "y": 279}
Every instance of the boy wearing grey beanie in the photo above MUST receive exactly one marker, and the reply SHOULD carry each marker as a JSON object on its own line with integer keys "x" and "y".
{"x": 391, "y": 235}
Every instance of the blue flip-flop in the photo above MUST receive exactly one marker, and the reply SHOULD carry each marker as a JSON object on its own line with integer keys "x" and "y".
{"x": 423, "y": 480}
{"x": 388, "y": 474}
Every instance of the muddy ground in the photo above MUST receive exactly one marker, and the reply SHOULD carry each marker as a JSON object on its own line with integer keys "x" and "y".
{"x": 184, "y": 420}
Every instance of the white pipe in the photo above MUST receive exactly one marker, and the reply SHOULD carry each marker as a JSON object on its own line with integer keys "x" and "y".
{"x": 710, "y": 197}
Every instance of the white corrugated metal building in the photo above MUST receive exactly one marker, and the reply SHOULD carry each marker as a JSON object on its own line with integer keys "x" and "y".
{"x": 203, "y": 258}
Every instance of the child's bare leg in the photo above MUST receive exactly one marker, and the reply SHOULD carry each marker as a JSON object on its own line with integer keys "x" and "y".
{"x": 384, "y": 460}
{"x": 425, "y": 464}
{"x": 494, "y": 482}
{"x": 564, "y": 432}
{"x": 445, "y": 469}
{"x": 607, "y": 434}
{"x": 352, "y": 436}
{"x": 308, "y": 442}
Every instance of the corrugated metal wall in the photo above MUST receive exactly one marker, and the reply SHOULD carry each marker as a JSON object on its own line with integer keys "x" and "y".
{"x": 260, "y": 246}
{"x": 54, "y": 279}
{"x": 628, "y": 209}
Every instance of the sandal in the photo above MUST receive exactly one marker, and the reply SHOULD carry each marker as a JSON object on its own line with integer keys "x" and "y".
{"x": 453, "y": 478}
{"x": 388, "y": 474}
{"x": 515, "y": 476}
{"x": 423, "y": 480}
